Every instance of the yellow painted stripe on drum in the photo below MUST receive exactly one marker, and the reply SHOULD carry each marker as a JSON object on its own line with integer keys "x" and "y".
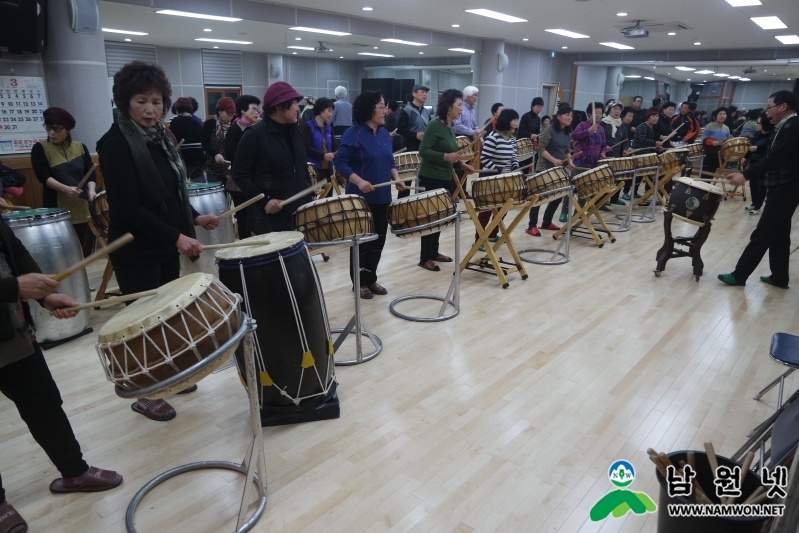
{"x": 243, "y": 383}
{"x": 307, "y": 360}
{"x": 266, "y": 379}
{"x": 330, "y": 347}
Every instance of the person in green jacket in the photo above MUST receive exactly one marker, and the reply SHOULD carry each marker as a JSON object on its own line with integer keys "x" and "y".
{"x": 439, "y": 153}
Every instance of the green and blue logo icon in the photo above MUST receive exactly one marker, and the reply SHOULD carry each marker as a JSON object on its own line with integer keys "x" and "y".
{"x": 619, "y": 502}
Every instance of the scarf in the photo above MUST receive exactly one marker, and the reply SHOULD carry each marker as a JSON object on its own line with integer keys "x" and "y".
{"x": 151, "y": 186}
{"x": 614, "y": 122}
{"x": 221, "y": 128}
{"x": 242, "y": 122}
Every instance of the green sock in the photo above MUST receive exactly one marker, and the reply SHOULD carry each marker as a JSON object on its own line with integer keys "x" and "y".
{"x": 767, "y": 279}
{"x": 729, "y": 279}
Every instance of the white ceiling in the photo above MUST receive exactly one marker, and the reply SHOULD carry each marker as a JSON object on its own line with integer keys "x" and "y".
{"x": 764, "y": 73}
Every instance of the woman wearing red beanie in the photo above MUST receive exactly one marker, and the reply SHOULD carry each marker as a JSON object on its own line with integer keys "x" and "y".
{"x": 60, "y": 164}
{"x": 213, "y": 139}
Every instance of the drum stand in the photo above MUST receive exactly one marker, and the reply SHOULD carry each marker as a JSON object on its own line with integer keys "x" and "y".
{"x": 648, "y": 215}
{"x": 624, "y": 225}
{"x": 356, "y": 325}
{"x": 564, "y": 255}
{"x": 693, "y": 245}
{"x": 663, "y": 194}
{"x": 582, "y": 216}
{"x": 254, "y": 464}
{"x": 453, "y": 296}
{"x": 725, "y": 171}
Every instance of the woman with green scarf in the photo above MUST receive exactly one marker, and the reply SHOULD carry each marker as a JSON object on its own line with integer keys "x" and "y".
{"x": 147, "y": 194}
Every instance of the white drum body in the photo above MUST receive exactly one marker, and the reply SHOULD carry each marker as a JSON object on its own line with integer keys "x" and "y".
{"x": 52, "y": 242}
{"x": 208, "y": 199}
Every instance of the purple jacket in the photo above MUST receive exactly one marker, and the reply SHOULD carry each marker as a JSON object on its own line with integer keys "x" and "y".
{"x": 591, "y": 146}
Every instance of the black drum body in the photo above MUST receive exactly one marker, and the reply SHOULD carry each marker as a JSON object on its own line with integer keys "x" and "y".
{"x": 293, "y": 349}
{"x": 695, "y": 201}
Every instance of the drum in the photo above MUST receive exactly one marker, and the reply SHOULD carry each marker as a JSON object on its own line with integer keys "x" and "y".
{"x": 293, "y": 349}
{"x": 541, "y": 183}
{"x": 334, "y": 219}
{"x": 420, "y": 209}
{"x": 313, "y": 173}
{"x": 208, "y": 199}
{"x": 494, "y": 191}
{"x": 52, "y": 242}
{"x": 465, "y": 146}
{"x": 593, "y": 181}
{"x": 646, "y": 164}
{"x": 158, "y": 337}
{"x": 695, "y": 150}
{"x": 620, "y": 165}
{"x": 735, "y": 149}
{"x": 674, "y": 158}
{"x": 525, "y": 148}
{"x": 407, "y": 164}
{"x": 99, "y": 210}
{"x": 695, "y": 200}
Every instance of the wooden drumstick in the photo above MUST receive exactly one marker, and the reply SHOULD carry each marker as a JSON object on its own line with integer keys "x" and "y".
{"x": 313, "y": 188}
{"x": 611, "y": 148}
{"x": 400, "y": 151}
{"x": 678, "y": 128}
{"x": 86, "y": 177}
{"x": 747, "y": 464}
{"x": 179, "y": 144}
{"x": 593, "y": 112}
{"x": 111, "y": 301}
{"x": 491, "y": 171}
{"x": 571, "y": 156}
{"x": 757, "y": 496}
{"x": 15, "y": 207}
{"x": 393, "y": 132}
{"x": 236, "y": 244}
{"x": 240, "y": 207}
{"x": 711, "y": 458}
{"x": 112, "y": 247}
{"x": 393, "y": 182}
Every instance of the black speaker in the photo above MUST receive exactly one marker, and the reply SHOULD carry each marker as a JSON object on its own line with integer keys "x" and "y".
{"x": 23, "y": 25}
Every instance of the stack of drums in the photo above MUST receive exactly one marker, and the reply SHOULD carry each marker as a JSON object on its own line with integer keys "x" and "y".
{"x": 51, "y": 240}
{"x": 592, "y": 182}
{"x": 208, "y": 199}
{"x": 494, "y": 191}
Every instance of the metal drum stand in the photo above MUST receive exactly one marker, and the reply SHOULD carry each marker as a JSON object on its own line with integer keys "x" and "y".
{"x": 648, "y": 216}
{"x": 453, "y": 296}
{"x": 254, "y": 464}
{"x": 564, "y": 243}
{"x": 356, "y": 325}
{"x": 626, "y": 217}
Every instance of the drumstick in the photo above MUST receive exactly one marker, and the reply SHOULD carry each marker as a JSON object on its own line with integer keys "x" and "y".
{"x": 111, "y": 301}
{"x": 240, "y": 207}
{"x": 399, "y": 151}
{"x": 313, "y": 188}
{"x": 15, "y": 207}
{"x": 711, "y": 458}
{"x": 757, "y": 496}
{"x": 570, "y": 156}
{"x": 112, "y": 247}
{"x": 491, "y": 171}
{"x": 389, "y": 183}
{"x": 393, "y": 132}
{"x": 179, "y": 144}
{"x": 747, "y": 464}
{"x": 86, "y": 177}
{"x": 236, "y": 244}
{"x": 611, "y": 148}
{"x": 674, "y": 132}
{"x": 593, "y": 112}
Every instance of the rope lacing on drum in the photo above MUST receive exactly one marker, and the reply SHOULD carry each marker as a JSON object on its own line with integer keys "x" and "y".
{"x": 331, "y": 372}
{"x": 259, "y": 361}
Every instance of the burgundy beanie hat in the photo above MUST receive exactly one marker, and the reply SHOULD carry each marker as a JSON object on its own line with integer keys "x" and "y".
{"x": 651, "y": 112}
{"x": 57, "y": 116}
{"x": 184, "y": 105}
{"x": 279, "y": 92}
{"x": 226, "y": 104}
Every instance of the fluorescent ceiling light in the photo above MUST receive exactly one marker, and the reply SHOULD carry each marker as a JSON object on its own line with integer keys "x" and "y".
{"x": 647, "y": 78}
{"x": 744, "y": 3}
{"x": 525, "y": 39}
{"x": 207, "y": 29}
{"x": 371, "y": 54}
{"x": 456, "y": 25}
{"x": 400, "y": 41}
{"x": 618, "y": 46}
{"x": 461, "y": 50}
{"x": 734, "y": 78}
{"x": 769, "y": 23}
{"x": 721, "y": 75}
{"x": 685, "y": 69}
{"x": 744, "y": 79}
{"x": 128, "y": 40}
{"x": 216, "y": 47}
{"x": 567, "y": 33}
{"x": 788, "y": 39}
{"x": 634, "y": 76}
{"x": 317, "y": 30}
{"x": 367, "y": 9}
{"x": 704, "y": 72}
{"x": 495, "y": 15}
{"x": 421, "y": 53}
{"x": 697, "y": 43}
{"x": 622, "y": 14}
{"x": 124, "y": 32}
{"x": 223, "y": 41}
{"x": 672, "y": 33}
{"x": 300, "y": 47}
{"x": 196, "y": 15}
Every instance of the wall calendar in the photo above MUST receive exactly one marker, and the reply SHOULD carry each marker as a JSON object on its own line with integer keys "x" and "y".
{"x": 22, "y": 103}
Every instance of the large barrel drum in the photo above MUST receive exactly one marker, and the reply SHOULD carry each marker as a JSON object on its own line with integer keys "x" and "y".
{"x": 52, "y": 242}
{"x": 208, "y": 199}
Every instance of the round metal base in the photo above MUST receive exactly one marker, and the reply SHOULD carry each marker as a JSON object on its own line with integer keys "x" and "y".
{"x": 440, "y": 318}
{"x": 377, "y": 342}
{"x": 544, "y": 251}
{"x": 202, "y": 465}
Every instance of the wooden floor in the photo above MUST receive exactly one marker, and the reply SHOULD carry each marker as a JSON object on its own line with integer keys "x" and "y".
{"x": 503, "y": 419}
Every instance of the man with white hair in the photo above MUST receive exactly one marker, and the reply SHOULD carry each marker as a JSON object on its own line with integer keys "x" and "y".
{"x": 342, "y": 111}
{"x": 467, "y": 124}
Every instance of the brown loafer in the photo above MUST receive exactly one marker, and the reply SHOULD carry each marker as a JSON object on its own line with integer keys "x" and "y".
{"x": 376, "y": 288}
{"x": 93, "y": 480}
{"x": 157, "y": 410}
{"x": 441, "y": 258}
{"x": 366, "y": 294}
{"x": 10, "y": 520}
{"x": 430, "y": 265}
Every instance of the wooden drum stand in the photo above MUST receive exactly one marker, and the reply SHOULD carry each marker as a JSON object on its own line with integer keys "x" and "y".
{"x": 693, "y": 245}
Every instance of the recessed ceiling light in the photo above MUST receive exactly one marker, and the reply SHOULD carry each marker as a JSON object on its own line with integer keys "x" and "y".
{"x": 765, "y": 70}
{"x": 495, "y": 15}
{"x": 618, "y": 46}
{"x": 374, "y": 47}
{"x": 622, "y": 14}
{"x": 697, "y": 43}
{"x": 788, "y": 39}
{"x": 294, "y": 53}
{"x": 721, "y": 75}
{"x": 525, "y": 39}
{"x": 367, "y": 9}
{"x": 744, "y": 3}
{"x": 223, "y": 41}
{"x": 745, "y": 79}
{"x": 207, "y": 29}
{"x": 565, "y": 47}
{"x": 298, "y": 38}
{"x": 195, "y": 15}
{"x": 421, "y": 53}
{"x": 128, "y": 40}
{"x": 672, "y": 33}
{"x": 647, "y": 78}
{"x": 734, "y": 78}
{"x": 633, "y": 77}
{"x": 216, "y": 47}
{"x": 686, "y": 69}
{"x": 300, "y": 47}
{"x": 317, "y": 30}
{"x": 125, "y": 32}
{"x": 456, "y": 25}
{"x": 400, "y": 41}
{"x": 704, "y": 71}
{"x": 371, "y": 54}
{"x": 689, "y": 79}
{"x": 769, "y": 23}
{"x": 567, "y": 33}
{"x": 341, "y": 57}
{"x": 461, "y": 50}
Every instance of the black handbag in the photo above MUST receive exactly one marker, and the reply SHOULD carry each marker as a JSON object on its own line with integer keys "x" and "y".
{"x": 10, "y": 177}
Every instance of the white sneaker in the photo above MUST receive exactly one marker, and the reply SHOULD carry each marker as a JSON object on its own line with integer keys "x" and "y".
{"x": 754, "y": 212}
{"x": 749, "y": 207}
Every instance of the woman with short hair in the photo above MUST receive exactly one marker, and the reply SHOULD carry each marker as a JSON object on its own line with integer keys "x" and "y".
{"x": 186, "y": 129}
{"x": 320, "y": 142}
{"x": 246, "y": 116}
{"x": 713, "y": 136}
{"x": 500, "y": 152}
{"x": 213, "y": 139}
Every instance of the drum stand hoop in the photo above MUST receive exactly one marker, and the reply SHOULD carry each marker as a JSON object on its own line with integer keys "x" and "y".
{"x": 565, "y": 257}
{"x": 453, "y": 296}
{"x": 254, "y": 461}
{"x": 648, "y": 216}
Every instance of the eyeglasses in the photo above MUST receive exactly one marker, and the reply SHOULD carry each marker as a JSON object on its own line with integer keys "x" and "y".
{"x": 57, "y": 129}
{"x": 772, "y": 106}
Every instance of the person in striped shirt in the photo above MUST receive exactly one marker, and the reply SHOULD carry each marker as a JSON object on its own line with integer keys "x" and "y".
{"x": 713, "y": 136}
{"x": 500, "y": 153}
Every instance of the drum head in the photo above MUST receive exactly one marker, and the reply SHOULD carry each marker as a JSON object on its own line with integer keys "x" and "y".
{"x": 35, "y": 217}
{"x": 201, "y": 188}
{"x": 702, "y": 186}
{"x": 278, "y": 240}
{"x": 145, "y": 312}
